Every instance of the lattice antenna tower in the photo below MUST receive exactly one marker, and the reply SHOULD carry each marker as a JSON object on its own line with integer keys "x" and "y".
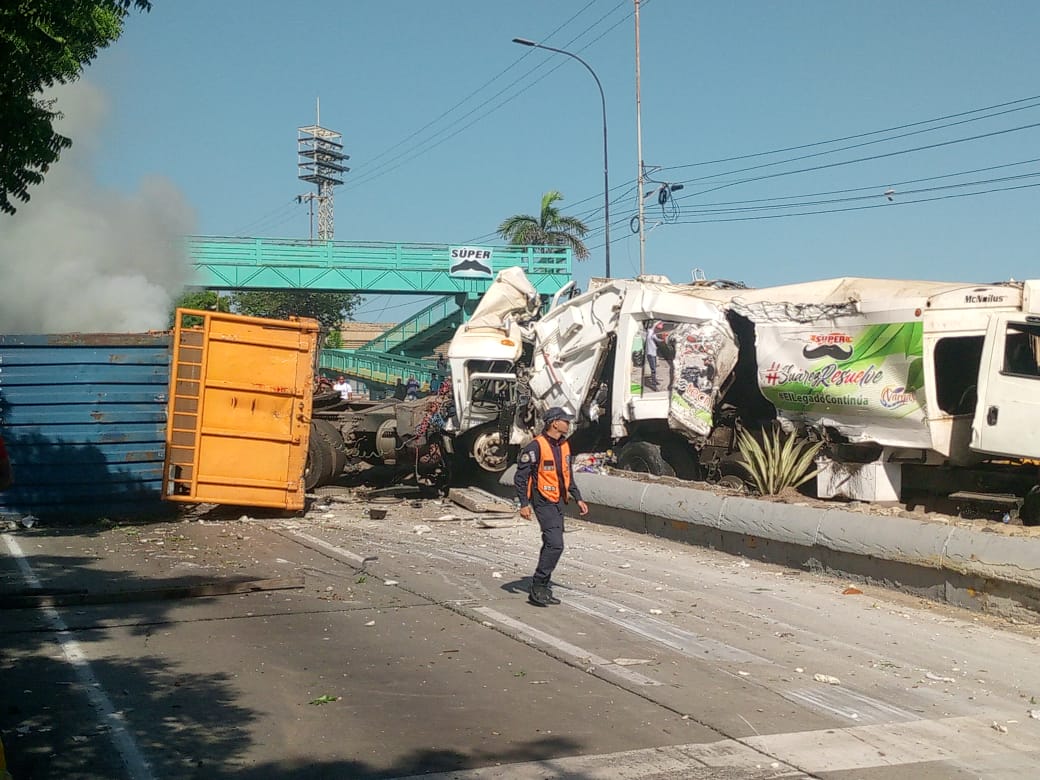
{"x": 320, "y": 161}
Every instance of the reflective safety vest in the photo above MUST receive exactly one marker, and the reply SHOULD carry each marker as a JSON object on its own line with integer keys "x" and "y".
{"x": 546, "y": 477}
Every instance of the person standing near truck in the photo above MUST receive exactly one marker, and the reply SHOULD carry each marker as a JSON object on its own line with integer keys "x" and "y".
{"x": 544, "y": 480}
{"x": 344, "y": 389}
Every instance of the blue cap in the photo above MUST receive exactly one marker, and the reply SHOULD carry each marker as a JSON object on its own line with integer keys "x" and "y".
{"x": 556, "y": 413}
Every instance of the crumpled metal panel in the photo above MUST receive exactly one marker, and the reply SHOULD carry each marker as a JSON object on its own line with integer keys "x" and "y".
{"x": 84, "y": 419}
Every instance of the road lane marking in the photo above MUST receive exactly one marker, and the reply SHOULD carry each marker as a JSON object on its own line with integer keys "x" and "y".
{"x": 328, "y": 547}
{"x": 575, "y": 652}
{"x": 135, "y": 762}
{"x": 849, "y": 704}
{"x": 663, "y": 633}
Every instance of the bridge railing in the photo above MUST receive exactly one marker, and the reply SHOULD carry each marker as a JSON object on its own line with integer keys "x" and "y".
{"x": 370, "y": 255}
{"x": 376, "y": 367}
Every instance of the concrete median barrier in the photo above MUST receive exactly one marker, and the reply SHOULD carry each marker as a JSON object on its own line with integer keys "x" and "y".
{"x": 978, "y": 564}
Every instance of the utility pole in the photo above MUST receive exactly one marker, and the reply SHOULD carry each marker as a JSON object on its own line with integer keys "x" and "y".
{"x": 639, "y": 153}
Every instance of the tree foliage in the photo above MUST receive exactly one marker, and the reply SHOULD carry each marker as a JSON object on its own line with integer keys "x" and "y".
{"x": 43, "y": 43}
{"x": 330, "y": 309}
{"x": 206, "y": 300}
{"x": 549, "y": 228}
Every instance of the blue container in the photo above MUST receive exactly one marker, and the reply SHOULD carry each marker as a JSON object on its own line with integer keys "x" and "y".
{"x": 84, "y": 419}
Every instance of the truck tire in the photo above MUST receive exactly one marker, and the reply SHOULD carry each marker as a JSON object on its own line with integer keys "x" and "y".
{"x": 333, "y": 441}
{"x": 318, "y": 468}
{"x": 1030, "y": 511}
{"x": 681, "y": 456}
{"x": 644, "y": 457}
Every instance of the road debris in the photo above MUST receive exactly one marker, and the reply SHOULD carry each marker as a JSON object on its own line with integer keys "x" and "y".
{"x": 939, "y": 678}
{"x": 999, "y": 727}
{"x": 826, "y": 678}
{"x": 324, "y": 699}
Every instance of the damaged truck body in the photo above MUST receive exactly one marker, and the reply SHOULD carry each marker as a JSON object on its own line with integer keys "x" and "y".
{"x": 918, "y": 391}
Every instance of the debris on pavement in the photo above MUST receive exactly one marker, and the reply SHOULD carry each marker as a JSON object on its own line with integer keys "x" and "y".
{"x": 939, "y": 678}
{"x": 325, "y": 699}
{"x": 477, "y": 500}
{"x": 999, "y": 727}
{"x": 826, "y": 678}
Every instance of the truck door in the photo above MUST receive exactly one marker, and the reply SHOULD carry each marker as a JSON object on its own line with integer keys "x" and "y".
{"x": 1007, "y": 416}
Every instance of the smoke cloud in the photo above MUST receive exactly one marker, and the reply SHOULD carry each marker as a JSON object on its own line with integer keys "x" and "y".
{"x": 78, "y": 257}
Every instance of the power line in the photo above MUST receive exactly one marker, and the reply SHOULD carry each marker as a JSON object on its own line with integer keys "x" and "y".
{"x": 861, "y": 135}
{"x": 857, "y": 208}
{"x": 890, "y": 194}
{"x": 871, "y": 188}
{"x": 487, "y": 83}
{"x": 431, "y": 144}
{"x": 881, "y": 156}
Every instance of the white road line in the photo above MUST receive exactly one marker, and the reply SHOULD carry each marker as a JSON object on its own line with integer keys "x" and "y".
{"x": 350, "y": 556}
{"x": 566, "y": 648}
{"x": 136, "y": 765}
{"x": 661, "y": 632}
{"x": 848, "y": 704}
{"x": 951, "y": 740}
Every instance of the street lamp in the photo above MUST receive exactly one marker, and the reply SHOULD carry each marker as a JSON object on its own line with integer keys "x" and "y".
{"x": 603, "y": 102}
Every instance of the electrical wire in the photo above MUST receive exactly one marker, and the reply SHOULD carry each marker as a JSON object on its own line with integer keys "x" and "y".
{"x": 890, "y": 195}
{"x": 863, "y": 135}
{"x": 881, "y": 156}
{"x": 870, "y": 188}
{"x": 419, "y": 151}
{"x": 857, "y": 208}
{"x": 487, "y": 83}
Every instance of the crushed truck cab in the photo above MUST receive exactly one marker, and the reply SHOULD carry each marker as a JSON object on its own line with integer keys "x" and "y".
{"x": 912, "y": 387}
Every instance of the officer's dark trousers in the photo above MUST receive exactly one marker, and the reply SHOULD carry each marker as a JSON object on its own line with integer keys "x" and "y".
{"x": 550, "y": 519}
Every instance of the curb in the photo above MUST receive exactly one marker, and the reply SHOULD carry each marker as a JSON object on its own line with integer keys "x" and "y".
{"x": 945, "y": 559}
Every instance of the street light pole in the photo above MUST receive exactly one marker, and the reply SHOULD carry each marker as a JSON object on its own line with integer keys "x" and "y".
{"x": 603, "y": 103}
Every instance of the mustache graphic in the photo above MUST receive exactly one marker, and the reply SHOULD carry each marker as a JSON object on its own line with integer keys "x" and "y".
{"x": 834, "y": 351}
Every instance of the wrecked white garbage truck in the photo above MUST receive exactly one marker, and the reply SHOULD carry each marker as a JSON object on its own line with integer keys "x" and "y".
{"x": 920, "y": 391}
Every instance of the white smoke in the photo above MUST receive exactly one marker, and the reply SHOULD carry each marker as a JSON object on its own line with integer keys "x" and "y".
{"x": 78, "y": 257}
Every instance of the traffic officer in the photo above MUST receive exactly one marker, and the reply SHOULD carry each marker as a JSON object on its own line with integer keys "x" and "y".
{"x": 544, "y": 480}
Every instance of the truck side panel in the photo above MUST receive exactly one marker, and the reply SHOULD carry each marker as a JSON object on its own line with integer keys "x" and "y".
{"x": 240, "y": 408}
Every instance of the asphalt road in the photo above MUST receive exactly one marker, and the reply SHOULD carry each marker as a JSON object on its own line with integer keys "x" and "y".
{"x": 663, "y": 661}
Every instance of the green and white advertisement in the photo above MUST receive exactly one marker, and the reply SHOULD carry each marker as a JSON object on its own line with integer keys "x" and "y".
{"x": 855, "y": 376}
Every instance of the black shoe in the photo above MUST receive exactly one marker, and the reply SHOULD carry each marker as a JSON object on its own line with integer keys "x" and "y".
{"x": 540, "y": 595}
{"x": 552, "y": 599}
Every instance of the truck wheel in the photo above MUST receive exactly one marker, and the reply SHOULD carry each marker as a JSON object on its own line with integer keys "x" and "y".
{"x": 1030, "y": 511}
{"x": 680, "y": 455}
{"x": 333, "y": 441}
{"x": 489, "y": 453}
{"x": 319, "y": 464}
{"x": 644, "y": 458}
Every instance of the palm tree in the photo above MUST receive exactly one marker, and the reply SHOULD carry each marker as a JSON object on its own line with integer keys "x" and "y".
{"x": 550, "y": 228}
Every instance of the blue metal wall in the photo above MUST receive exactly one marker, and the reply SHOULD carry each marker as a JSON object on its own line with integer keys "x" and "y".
{"x": 84, "y": 419}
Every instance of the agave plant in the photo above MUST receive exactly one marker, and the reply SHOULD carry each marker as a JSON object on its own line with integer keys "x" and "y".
{"x": 779, "y": 461}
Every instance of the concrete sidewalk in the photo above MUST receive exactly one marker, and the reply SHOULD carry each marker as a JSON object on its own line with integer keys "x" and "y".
{"x": 977, "y": 564}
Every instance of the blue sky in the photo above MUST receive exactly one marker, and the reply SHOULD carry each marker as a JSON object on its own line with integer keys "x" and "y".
{"x": 451, "y": 127}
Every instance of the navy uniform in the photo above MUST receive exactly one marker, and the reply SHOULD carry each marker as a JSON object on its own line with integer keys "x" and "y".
{"x": 544, "y": 481}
